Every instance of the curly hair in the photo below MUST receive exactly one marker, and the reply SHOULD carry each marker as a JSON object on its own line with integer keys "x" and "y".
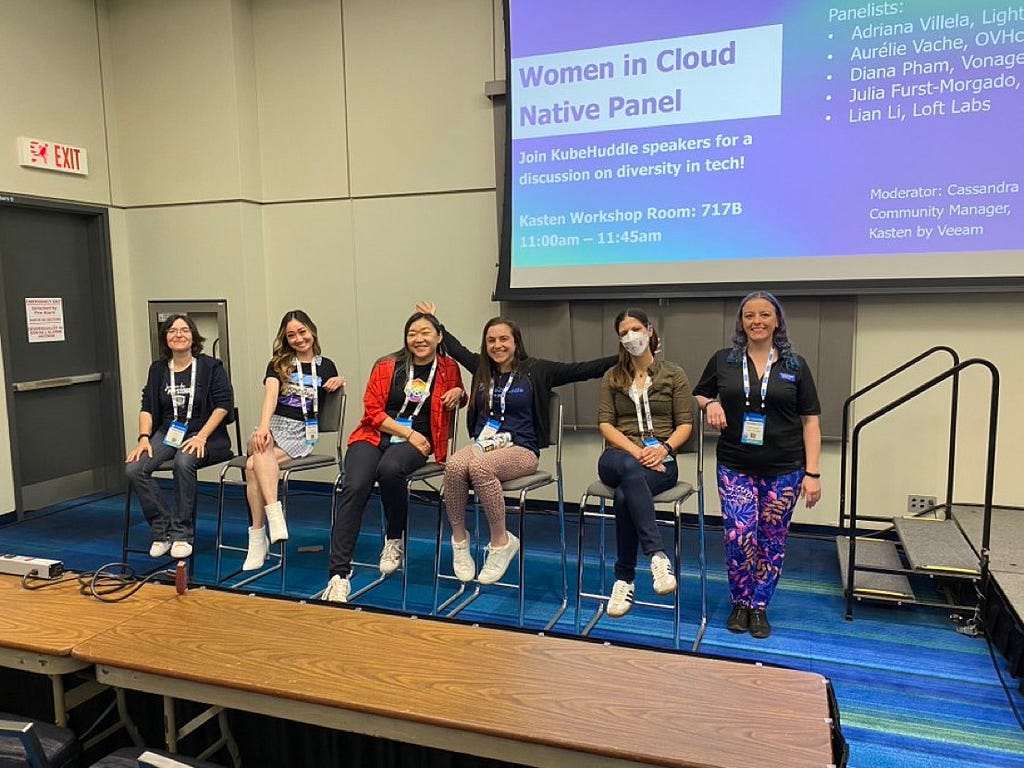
{"x": 283, "y": 357}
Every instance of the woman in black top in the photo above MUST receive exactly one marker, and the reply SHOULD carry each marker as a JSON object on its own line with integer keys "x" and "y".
{"x": 509, "y": 421}
{"x": 295, "y": 382}
{"x": 185, "y": 409}
{"x": 760, "y": 395}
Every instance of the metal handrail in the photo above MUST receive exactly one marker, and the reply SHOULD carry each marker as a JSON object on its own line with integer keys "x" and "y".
{"x": 990, "y": 465}
{"x": 878, "y": 382}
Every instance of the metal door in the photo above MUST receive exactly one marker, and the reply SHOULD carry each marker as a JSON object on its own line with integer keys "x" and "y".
{"x": 59, "y": 351}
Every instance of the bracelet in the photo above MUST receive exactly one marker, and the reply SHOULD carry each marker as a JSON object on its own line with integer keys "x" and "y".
{"x": 815, "y": 475}
{"x": 144, "y": 435}
{"x": 669, "y": 448}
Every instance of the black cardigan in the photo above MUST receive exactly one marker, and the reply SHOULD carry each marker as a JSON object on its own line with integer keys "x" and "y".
{"x": 544, "y": 375}
{"x": 213, "y": 390}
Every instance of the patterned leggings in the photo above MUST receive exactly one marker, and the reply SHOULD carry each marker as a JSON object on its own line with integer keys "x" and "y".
{"x": 755, "y": 513}
{"x": 485, "y": 472}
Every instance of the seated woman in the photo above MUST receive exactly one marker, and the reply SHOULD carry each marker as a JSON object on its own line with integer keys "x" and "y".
{"x": 508, "y": 419}
{"x": 407, "y": 416}
{"x": 185, "y": 408}
{"x": 645, "y": 416}
{"x": 297, "y": 378}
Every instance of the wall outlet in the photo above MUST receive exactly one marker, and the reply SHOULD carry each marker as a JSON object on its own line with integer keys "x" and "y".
{"x": 917, "y": 503}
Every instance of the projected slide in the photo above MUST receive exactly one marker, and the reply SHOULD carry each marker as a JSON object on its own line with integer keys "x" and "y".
{"x": 667, "y": 142}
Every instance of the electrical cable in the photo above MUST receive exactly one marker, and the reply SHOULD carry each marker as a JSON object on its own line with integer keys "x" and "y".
{"x": 101, "y": 583}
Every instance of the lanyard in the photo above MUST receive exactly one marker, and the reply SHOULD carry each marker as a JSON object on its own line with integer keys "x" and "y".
{"x": 638, "y": 398}
{"x": 503, "y": 394}
{"x": 408, "y": 390}
{"x": 191, "y": 390}
{"x": 302, "y": 387}
{"x": 764, "y": 378}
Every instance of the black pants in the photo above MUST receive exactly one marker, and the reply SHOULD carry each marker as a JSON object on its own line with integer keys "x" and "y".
{"x": 365, "y": 464}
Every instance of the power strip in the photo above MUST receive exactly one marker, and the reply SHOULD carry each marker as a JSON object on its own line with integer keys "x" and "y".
{"x": 20, "y": 565}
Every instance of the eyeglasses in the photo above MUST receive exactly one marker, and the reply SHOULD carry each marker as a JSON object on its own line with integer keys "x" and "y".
{"x": 179, "y": 331}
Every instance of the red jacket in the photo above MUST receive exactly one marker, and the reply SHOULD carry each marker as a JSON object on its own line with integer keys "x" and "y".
{"x": 375, "y": 399}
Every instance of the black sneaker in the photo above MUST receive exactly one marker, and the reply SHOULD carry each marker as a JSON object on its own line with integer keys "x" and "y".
{"x": 739, "y": 619}
{"x": 759, "y": 626}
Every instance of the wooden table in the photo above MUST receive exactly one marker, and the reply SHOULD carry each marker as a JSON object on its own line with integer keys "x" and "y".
{"x": 508, "y": 695}
{"x": 39, "y": 630}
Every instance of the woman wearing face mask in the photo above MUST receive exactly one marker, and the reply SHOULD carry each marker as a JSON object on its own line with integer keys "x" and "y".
{"x": 294, "y": 384}
{"x": 407, "y": 414}
{"x": 760, "y": 394}
{"x": 508, "y": 419}
{"x": 645, "y": 416}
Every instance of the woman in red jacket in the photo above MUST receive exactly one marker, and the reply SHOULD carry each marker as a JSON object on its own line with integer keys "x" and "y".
{"x": 407, "y": 406}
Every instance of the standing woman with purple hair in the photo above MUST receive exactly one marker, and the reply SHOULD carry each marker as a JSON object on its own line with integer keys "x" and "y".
{"x": 760, "y": 395}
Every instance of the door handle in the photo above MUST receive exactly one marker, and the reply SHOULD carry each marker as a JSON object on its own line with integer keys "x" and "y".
{"x": 60, "y": 381}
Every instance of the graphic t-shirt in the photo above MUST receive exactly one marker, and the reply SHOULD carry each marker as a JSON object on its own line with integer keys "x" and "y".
{"x": 300, "y": 385}
{"x": 176, "y": 394}
{"x": 417, "y": 392}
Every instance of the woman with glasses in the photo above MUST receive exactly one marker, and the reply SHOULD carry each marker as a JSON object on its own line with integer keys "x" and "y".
{"x": 294, "y": 385}
{"x": 186, "y": 405}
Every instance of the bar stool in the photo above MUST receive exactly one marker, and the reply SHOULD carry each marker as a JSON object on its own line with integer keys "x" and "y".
{"x": 428, "y": 475}
{"x": 675, "y": 497}
{"x": 522, "y": 486}
{"x": 332, "y": 417}
{"x": 167, "y": 467}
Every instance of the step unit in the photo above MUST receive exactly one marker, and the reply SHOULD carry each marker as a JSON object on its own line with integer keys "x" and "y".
{"x": 879, "y": 553}
{"x": 937, "y": 547}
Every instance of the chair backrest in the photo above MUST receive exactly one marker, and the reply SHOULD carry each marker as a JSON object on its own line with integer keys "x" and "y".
{"x": 332, "y": 416}
{"x": 695, "y": 442}
{"x": 239, "y": 448}
{"x": 557, "y": 424}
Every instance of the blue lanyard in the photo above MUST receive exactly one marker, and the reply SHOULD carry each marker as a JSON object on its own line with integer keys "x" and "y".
{"x": 764, "y": 378}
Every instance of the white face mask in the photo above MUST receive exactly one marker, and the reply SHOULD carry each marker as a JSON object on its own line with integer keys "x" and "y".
{"x": 635, "y": 342}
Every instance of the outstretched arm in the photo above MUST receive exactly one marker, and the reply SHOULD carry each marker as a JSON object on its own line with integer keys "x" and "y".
{"x": 465, "y": 356}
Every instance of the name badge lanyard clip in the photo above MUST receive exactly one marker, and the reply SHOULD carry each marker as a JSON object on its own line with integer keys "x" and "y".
{"x": 754, "y": 423}
{"x": 176, "y": 434}
{"x": 407, "y": 421}
{"x": 493, "y": 425}
{"x": 646, "y": 428}
{"x": 312, "y": 424}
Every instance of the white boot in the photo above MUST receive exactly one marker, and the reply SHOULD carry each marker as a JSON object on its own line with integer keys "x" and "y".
{"x": 275, "y": 522}
{"x": 257, "y": 550}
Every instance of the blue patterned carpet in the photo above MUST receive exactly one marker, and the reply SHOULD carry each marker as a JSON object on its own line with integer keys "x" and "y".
{"x": 912, "y": 692}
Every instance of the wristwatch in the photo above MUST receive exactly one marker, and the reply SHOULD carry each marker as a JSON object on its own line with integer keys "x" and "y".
{"x": 669, "y": 448}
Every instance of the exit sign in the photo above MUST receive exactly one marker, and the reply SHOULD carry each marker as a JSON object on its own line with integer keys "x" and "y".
{"x": 52, "y": 156}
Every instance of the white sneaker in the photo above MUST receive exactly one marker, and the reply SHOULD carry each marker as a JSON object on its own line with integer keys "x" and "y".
{"x": 391, "y": 556}
{"x": 159, "y": 548}
{"x": 275, "y": 522}
{"x": 257, "y": 552}
{"x": 621, "y": 599}
{"x": 661, "y": 572}
{"x": 462, "y": 560}
{"x": 498, "y": 559}
{"x": 337, "y": 590}
{"x": 180, "y": 550}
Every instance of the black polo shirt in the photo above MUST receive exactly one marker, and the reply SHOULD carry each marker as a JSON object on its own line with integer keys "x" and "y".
{"x": 791, "y": 394}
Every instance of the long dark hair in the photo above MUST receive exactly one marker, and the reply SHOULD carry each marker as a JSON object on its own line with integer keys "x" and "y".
{"x": 486, "y": 370}
{"x": 623, "y": 372}
{"x": 780, "y": 338}
{"x": 283, "y": 355}
{"x": 403, "y": 357}
{"x": 165, "y": 326}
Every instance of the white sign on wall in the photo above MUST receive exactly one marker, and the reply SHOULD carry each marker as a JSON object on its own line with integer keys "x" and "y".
{"x": 52, "y": 156}
{"x": 45, "y": 319}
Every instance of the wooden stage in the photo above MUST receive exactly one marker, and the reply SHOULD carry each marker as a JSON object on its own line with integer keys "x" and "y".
{"x": 509, "y": 695}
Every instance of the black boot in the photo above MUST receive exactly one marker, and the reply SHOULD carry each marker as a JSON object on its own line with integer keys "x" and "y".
{"x": 759, "y": 626}
{"x": 739, "y": 619}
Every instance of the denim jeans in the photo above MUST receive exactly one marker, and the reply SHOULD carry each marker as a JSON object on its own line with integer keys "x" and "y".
{"x": 635, "y": 488}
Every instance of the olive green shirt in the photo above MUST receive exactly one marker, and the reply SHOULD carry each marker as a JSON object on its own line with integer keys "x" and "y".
{"x": 670, "y": 397}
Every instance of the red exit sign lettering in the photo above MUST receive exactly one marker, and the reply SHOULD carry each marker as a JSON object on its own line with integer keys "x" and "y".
{"x": 52, "y": 156}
